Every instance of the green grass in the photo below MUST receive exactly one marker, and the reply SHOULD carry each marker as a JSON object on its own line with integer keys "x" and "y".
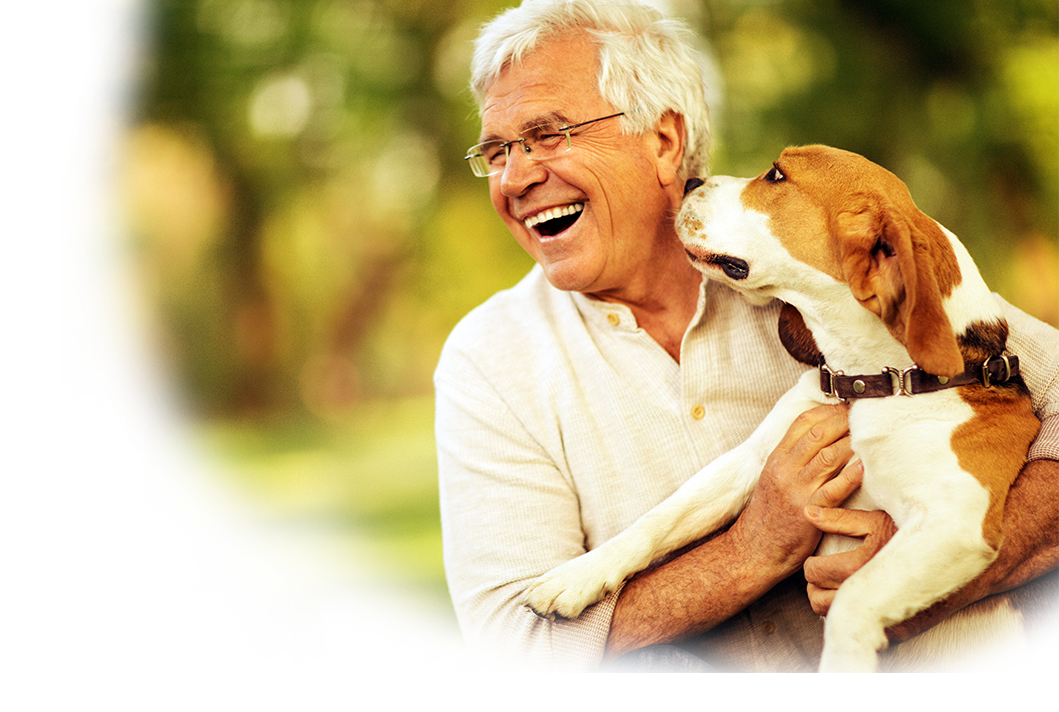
{"x": 227, "y": 548}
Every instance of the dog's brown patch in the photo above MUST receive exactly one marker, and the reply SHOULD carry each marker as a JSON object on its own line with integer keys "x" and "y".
{"x": 992, "y": 445}
{"x": 796, "y": 337}
{"x": 797, "y": 207}
{"x": 692, "y": 225}
{"x": 983, "y": 340}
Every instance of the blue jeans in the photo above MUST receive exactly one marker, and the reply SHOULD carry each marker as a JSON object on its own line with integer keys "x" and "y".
{"x": 658, "y": 658}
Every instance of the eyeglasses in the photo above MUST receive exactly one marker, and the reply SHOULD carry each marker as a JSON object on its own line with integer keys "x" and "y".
{"x": 539, "y": 144}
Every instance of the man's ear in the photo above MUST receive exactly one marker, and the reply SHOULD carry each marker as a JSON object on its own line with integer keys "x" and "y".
{"x": 671, "y": 142}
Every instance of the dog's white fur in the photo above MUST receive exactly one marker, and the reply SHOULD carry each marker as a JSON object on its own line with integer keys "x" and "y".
{"x": 906, "y": 443}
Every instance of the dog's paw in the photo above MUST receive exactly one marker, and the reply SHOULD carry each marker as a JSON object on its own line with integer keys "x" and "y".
{"x": 569, "y": 589}
{"x": 851, "y": 639}
{"x": 849, "y": 659}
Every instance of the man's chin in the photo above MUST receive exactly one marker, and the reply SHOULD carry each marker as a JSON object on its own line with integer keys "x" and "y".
{"x": 566, "y": 275}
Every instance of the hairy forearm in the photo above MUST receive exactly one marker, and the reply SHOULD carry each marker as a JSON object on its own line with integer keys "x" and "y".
{"x": 1030, "y": 548}
{"x": 688, "y": 595}
{"x": 1031, "y": 523}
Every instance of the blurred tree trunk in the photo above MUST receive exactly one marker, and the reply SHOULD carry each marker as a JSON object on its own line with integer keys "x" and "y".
{"x": 248, "y": 309}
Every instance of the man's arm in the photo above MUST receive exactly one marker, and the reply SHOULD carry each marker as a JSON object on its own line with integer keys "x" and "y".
{"x": 508, "y": 516}
{"x": 770, "y": 540}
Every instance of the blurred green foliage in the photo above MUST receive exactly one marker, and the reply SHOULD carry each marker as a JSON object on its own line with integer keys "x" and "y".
{"x": 307, "y": 234}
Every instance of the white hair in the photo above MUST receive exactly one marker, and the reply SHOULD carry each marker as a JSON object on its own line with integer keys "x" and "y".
{"x": 647, "y": 64}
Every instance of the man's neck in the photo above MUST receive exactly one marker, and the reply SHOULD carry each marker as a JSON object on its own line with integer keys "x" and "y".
{"x": 665, "y": 308}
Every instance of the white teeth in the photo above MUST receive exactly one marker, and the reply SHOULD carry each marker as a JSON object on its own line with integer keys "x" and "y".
{"x": 554, "y": 213}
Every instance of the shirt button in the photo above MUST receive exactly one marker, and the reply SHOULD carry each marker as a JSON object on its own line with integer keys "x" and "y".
{"x": 613, "y": 318}
{"x": 698, "y": 412}
{"x": 768, "y": 628}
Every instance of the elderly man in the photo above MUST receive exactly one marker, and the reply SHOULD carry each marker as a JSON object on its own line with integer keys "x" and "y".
{"x": 576, "y": 401}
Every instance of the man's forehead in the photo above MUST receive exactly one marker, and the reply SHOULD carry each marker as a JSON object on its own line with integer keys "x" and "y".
{"x": 555, "y": 82}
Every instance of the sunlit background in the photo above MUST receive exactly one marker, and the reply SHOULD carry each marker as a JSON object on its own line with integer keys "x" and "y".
{"x": 297, "y": 233}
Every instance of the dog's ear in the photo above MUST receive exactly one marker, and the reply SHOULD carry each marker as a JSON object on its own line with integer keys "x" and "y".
{"x": 796, "y": 337}
{"x": 889, "y": 266}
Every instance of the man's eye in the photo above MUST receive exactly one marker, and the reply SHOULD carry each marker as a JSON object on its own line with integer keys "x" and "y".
{"x": 775, "y": 175}
{"x": 493, "y": 151}
{"x": 546, "y": 136}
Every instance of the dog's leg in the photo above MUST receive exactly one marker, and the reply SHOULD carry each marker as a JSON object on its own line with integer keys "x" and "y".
{"x": 706, "y": 502}
{"x": 935, "y": 553}
{"x": 710, "y": 499}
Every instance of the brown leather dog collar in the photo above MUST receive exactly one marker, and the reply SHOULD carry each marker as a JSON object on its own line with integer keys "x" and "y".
{"x": 910, "y": 381}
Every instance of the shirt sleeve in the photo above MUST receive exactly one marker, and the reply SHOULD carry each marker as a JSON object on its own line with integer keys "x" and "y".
{"x": 1037, "y": 346}
{"x": 508, "y": 516}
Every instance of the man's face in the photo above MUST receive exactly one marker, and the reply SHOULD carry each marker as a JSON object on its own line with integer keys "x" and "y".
{"x": 613, "y": 176}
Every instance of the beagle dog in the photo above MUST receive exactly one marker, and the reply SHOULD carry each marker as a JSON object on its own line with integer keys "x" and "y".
{"x": 888, "y": 308}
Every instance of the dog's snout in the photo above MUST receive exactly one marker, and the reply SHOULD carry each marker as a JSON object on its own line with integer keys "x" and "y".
{"x": 692, "y": 184}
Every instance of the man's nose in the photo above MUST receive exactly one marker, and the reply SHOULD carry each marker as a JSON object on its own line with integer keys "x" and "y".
{"x": 520, "y": 173}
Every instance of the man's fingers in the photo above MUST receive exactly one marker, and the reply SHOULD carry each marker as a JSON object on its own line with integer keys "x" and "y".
{"x": 830, "y": 460}
{"x": 815, "y": 447}
{"x": 848, "y": 522}
{"x": 820, "y": 599}
{"x": 815, "y": 429}
{"x": 824, "y": 574}
{"x": 828, "y": 572}
{"x": 837, "y": 490}
{"x": 826, "y": 425}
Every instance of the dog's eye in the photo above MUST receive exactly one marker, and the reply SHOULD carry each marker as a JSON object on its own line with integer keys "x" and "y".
{"x": 775, "y": 175}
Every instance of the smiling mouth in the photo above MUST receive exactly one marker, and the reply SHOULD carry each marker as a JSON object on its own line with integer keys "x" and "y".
{"x": 555, "y": 220}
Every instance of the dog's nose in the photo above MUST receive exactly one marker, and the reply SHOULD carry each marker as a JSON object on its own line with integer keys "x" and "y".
{"x": 692, "y": 184}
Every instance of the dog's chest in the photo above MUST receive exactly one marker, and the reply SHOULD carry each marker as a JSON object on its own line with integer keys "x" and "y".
{"x": 906, "y": 446}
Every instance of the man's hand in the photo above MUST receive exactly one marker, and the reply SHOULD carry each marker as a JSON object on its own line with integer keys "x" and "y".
{"x": 825, "y": 574}
{"x": 773, "y": 527}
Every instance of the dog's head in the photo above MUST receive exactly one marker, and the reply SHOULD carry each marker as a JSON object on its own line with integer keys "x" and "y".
{"x": 821, "y": 219}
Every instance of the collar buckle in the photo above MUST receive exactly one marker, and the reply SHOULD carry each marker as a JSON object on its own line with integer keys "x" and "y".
{"x": 987, "y": 376}
{"x": 901, "y": 379}
{"x": 827, "y": 382}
